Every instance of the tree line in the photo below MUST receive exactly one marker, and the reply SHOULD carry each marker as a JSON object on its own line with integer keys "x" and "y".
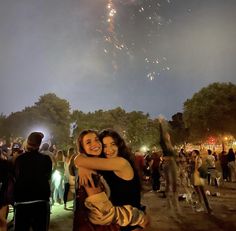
{"x": 210, "y": 112}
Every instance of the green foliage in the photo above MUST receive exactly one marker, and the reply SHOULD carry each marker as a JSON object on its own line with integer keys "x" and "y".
{"x": 135, "y": 127}
{"x": 2, "y": 125}
{"x": 55, "y": 113}
{"x": 50, "y": 112}
{"x": 211, "y": 111}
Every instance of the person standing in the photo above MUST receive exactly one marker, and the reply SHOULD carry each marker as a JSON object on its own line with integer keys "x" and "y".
{"x": 169, "y": 166}
{"x": 223, "y": 157}
{"x": 156, "y": 158}
{"x": 58, "y": 179}
{"x": 198, "y": 176}
{"x": 231, "y": 165}
{"x": 6, "y": 192}
{"x": 67, "y": 177}
{"x": 139, "y": 163}
{"x": 211, "y": 168}
{"x": 32, "y": 187}
{"x": 45, "y": 150}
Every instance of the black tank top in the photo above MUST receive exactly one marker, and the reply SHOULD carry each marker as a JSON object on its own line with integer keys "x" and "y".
{"x": 123, "y": 192}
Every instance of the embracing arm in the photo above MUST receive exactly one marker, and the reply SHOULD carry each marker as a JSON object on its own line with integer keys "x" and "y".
{"x": 102, "y": 212}
{"x": 97, "y": 163}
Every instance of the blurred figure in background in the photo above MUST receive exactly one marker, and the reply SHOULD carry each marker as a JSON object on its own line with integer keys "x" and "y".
{"x": 155, "y": 170}
{"x": 231, "y": 165}
{"x": 198, "y": 181}
{"x": 224, "y": 165}
{"x": 6, "y": 190}
{"x": 169, "y": 166}
{"x": 211, "y": 168}
{"x": 139, "y": 163}
{"x": 45, "y": 150}
{"x": 58, "y": 179}
{"x": 67, "y": 181}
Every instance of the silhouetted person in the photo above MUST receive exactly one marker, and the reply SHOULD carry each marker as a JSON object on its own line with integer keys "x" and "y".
{"x": 32, "y": 187}
{"x": 231, "y": 165}
{"x": 224, "y": 165}
{"x": 156, "y": 159}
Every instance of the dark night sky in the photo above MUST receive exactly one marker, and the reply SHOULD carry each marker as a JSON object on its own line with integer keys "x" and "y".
{"x": 148, "y": 55}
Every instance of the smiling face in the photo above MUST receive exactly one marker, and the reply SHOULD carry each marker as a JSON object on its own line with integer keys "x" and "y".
{"x": 92, "y": 144}
{"x": 109, "y": 147}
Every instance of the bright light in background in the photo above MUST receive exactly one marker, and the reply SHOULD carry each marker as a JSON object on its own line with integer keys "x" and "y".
{"x": 44, "y": 130}
{"x": 144, "y": 148}
{"x": 56, "y": 178}
{"x": 211, "y": 140}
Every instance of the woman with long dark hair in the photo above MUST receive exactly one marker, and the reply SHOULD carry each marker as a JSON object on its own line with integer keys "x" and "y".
{"x": 123, "y": 178}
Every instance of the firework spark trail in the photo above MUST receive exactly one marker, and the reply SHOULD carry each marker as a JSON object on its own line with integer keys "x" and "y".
{"x": 111, "y": 14}
{"x": 149, "y": 11}
{"x": 111, "y": 36}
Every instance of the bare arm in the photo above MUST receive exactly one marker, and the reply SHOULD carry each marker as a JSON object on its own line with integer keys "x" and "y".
{"x": 97, "y": 163}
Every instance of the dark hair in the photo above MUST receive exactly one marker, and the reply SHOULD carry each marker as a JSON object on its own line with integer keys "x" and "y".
{"x": 123, "y": 150}
{"x": 34, "y": 140}
{"x": 80, "y": 139}
{"x": 59, "y": 155}
{"x": 70, "y": 151}
{"x": 196, "y": 151}
{"x": 209, "y": 151}
{"x": 45, "y": 147}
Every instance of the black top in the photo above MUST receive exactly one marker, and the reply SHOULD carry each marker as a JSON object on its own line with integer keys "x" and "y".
{"x": 231, "y": 156}
{"x": 33, "y": 172}
{"x": 123, "y": 192}
{"x": 6, "y": 178}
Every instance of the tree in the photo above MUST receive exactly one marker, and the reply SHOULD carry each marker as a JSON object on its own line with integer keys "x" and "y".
{"x": 55, "y": 113}
{"x": 211, "y": 111}
{"x": 49, "y": 112}
{"x": 2, "y": 125}
{"x": 141, "y": 130}
{"x": 136, "y": 127}
{"x": 179, "y": 133}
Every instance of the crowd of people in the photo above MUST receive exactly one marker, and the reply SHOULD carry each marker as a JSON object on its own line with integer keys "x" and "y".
{"x": 42, "y": 177}
{"x": 191, "y": 170}
{"x": 104, "y": 178}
